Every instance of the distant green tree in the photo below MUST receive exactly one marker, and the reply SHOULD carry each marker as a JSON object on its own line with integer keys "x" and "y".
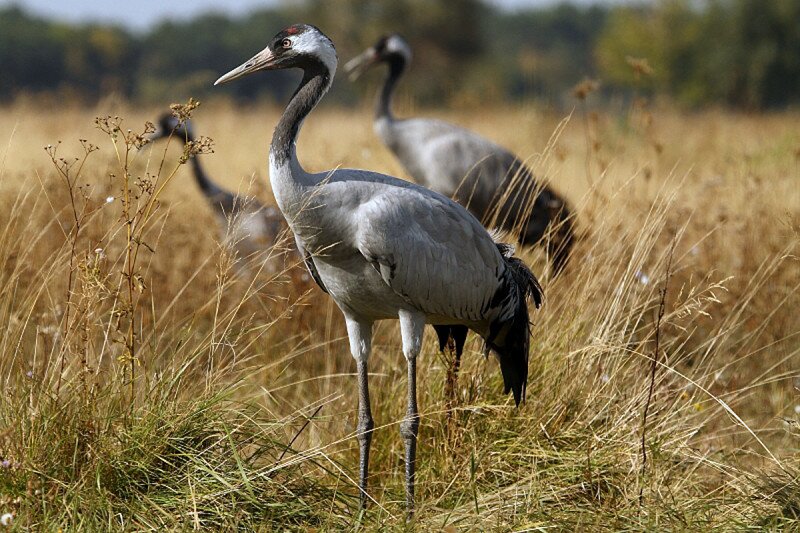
{"x": 544, "y": 51}
{"x": 84, "y": 61}
{"x": 745, "y": 53}
{"x": 447, "y": 36}
{"x": 30, "y": 56}
{"x": 765, "y": 39}
{"x": 97, "y": 60}
{"x": 184, "y": 58}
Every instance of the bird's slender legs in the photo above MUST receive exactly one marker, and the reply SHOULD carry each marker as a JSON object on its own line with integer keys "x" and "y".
{"x": 360, "y": 336}
{"x": 365, "y": 427}
{"x": 412, "y": 328}
{"x": 409, "y": 429}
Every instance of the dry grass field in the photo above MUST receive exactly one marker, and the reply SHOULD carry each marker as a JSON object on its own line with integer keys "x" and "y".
{"x": 146, "y": 385}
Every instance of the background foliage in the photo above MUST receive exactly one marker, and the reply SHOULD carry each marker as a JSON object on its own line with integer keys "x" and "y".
{"x": 741, "y": 53}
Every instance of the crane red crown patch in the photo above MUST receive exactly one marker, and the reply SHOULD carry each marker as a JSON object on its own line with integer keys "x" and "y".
{"x": 293, "y": 30}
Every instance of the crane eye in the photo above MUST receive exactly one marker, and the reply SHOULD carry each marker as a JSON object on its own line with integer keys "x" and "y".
{"x": 286, "y": 43}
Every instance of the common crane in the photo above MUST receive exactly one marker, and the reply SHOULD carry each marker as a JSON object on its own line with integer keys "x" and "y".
{"x": 384, "y": 248}
{"x": 493, "y": 183}
{"x": 249, "y": 226}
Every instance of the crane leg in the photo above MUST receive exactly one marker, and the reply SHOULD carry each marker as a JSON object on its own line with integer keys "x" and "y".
{"x": 360, "y": 336}
{"x": 409, "y": 429}
{"x": 365, "y": 427}
{"x": 412, "y": 328}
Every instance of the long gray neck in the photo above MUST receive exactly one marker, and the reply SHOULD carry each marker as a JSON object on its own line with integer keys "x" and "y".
{"x": 207, "y": 186}
{"x": 397, "y": 65}
{"x": 316, "y": 81}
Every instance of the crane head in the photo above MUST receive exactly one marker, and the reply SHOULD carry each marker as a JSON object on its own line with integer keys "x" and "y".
{"x": 387, "y": 49}
{"x": 169, "y": 125}
{"x": 295, "y": 46}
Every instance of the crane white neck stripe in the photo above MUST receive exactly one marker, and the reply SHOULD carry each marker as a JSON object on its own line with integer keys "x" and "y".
{"x": 316, "y": 45}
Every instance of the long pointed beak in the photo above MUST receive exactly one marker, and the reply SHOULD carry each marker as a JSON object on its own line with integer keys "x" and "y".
{"x": 261, "y": 61}
{"x": 359, "y": 64}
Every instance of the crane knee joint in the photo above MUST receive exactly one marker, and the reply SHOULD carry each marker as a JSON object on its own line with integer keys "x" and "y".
{"x": 409, "y": 428}
{"x": 364, "y": 430}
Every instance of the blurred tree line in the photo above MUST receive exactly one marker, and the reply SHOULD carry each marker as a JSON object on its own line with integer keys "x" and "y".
{"x": 742, "y": 53}
{"x": 745, "y": 53}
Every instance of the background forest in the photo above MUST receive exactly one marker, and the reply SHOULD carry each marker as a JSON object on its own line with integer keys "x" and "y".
{"x": 741, "y": 53}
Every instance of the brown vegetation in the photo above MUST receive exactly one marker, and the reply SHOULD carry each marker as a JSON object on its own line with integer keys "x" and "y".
{"x": 229, "y": 370}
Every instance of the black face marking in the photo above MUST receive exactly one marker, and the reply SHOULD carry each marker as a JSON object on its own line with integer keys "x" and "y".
{"x": 382, "y": 49}
{"x": 278, "y": 43}
{"x": 380, "y": 46}
{"x": 286, "y": 55}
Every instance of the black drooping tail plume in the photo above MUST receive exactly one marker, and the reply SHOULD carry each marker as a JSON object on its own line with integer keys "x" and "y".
{"x": 458, "y": 333}
{"x": 509, "y": 335}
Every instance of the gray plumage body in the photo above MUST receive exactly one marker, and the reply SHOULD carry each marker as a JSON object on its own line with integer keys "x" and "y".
{"x": 384, "y": 248}
{"x": 494, "y": 184}
{"x": 381, "y": 245}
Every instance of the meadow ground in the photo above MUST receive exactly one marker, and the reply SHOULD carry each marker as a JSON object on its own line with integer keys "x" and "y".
{"x": 144, "y": 385}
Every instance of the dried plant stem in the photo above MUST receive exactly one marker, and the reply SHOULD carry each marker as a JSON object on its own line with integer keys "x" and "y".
{"x": 64, "y": 168}
{"x": 129, "y": 273}
{"x": 68, "y": 305}
{"x": 303, "y": 428}
{"x": 654, "y": 364}
{"x": 589, "y": 147}
{"x": 129, "y": 215}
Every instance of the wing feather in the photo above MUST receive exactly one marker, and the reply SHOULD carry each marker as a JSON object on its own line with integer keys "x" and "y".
{"x": 431, "y": 252}
{"x": 310, "y": 265}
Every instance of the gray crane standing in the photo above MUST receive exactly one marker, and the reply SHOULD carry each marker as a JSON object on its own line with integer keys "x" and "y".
{"x": 384, "y": 248}
{"x": 490, "y": 181}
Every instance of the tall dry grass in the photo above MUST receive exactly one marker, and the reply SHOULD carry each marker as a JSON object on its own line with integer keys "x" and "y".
{"x": 145, "y": 385}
